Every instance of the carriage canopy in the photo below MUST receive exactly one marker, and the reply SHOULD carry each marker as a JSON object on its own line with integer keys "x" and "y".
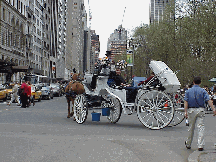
{"x": 166, "y": 76}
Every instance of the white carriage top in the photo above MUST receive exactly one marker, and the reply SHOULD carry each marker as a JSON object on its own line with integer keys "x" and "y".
{"x": 165, "y": 75}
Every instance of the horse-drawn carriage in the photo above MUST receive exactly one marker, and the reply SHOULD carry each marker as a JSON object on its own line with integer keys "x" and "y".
{"x": 156, "y": 106}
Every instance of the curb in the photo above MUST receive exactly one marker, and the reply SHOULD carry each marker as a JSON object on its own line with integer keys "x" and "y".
{"x": 194, "y": 156}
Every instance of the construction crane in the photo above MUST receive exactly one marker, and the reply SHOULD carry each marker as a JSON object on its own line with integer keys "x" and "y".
{"x": 123, "y": 15}
{"x": 90, "y": 15}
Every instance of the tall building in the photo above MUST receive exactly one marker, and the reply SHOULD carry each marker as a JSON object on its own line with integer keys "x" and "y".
{"x": 61, "y": 71}
{"x": 46, "y": 34}
{"x": 76, "y": 24}
{"x": 95, "y": 49}
{"x": 157, "y": 8}
{"x": 12, "y": 37}
{"x": 36, "y": 54}
{"x": 48, "y": 37}
{"x": 117, "y": 42}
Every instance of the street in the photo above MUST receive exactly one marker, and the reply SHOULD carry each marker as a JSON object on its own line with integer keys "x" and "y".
{"x": 44, "y": 133}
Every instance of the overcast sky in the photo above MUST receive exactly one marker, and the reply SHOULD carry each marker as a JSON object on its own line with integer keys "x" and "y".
{"x": 107, "y": 15}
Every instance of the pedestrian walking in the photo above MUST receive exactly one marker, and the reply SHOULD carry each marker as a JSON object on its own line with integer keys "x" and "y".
{"x": 214, "y": 96}
{"x": 23, "y": 93}
{"x": 29, "y": 94}
{"x": 195, "y": 99}
{"x": 14, "y": 95}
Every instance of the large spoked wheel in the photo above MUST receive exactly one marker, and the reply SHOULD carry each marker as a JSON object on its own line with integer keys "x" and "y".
{"x": 154, "y": 109}
{"x": 80, "y": 109}
{"x": 178, "y": 101}
{"x": 115, "y": 110}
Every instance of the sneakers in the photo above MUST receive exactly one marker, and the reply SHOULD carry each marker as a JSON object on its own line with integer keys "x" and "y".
{"x": 188, "y": 147}
{"x": 200, "y": 149}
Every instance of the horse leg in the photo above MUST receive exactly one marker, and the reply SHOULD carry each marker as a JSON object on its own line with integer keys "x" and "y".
{"x": 73, "y": 109}
{"x": 68, "y": 101}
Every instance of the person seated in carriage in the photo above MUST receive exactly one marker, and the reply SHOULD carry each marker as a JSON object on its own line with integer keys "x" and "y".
{"x": 153, "y": 82}
{"x": 115, "y": 79}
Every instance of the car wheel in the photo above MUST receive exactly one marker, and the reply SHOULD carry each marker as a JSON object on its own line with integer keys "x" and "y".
{"x": 5, "y": 98}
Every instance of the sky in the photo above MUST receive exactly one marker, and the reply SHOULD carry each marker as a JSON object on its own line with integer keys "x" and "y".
{"x": 107, "y": 15}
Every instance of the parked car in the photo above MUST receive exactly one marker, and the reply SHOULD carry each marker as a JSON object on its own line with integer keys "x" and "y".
{"x": 3, "y": 93}
{"x": 56, "y": 89}
{"x": 36, "y": 93}
{"x": 47, "y": 93}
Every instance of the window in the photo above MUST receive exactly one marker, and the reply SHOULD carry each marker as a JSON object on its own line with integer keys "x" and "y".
{"x": 21, "y": 7}
{"x": 4, "y": 14}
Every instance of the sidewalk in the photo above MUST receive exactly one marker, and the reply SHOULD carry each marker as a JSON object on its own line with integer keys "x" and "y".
{"x": 205, "y": 155}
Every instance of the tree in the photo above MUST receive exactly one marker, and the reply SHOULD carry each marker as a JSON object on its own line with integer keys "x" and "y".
{"x": 186, "y": 43}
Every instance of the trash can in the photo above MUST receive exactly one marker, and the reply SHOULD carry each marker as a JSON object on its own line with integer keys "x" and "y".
{"x": 105, "y": 111}
{"x": 96, "y": 116}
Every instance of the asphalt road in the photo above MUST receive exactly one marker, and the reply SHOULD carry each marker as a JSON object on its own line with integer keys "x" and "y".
{"x": 43, "y": 133}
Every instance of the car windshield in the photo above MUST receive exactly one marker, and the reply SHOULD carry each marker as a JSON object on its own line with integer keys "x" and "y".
{"x": 54, "y": 86}
{"x": 9, "y": 87}
{"x": 33, "y": 88}
{"x": 44, "y": 88}
{"x": 2, "y": 87}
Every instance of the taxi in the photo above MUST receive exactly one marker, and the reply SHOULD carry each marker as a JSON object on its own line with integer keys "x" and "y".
{"x": 9, "y": 91}
{"x": 36, "y": 93}
{"x": 3, "y": 93}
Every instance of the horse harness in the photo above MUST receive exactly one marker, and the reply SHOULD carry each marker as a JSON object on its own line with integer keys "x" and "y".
{"x": 71, "y": 93}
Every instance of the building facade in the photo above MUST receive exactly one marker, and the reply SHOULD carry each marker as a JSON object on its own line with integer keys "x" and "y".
{"x": 77, "y": 23}
{"x": 47, "y": 37}
{"x": 12, "y": 35}
{"x": 61, "y": 71}
{"x": 157, "y": 8}
{"x": 117, "y": 42}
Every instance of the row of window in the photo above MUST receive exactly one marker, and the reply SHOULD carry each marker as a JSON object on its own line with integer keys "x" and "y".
{"x": 19, "y": 5}
{"x": 10, "y": 39}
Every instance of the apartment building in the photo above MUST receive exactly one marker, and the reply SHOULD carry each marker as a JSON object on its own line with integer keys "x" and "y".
{"x": 61, "y": 71}
{"x": 117, "y": 42}
{"x": 46, "y": 34}
{"x": 12, "y": 36}
{"x": 76, "y": 25}
{"x": 157, "y": 8}
{"x": 95, "y": 49}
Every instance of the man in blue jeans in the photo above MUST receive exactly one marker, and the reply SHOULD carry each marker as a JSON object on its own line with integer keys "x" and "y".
{"x": 195, "y": 99}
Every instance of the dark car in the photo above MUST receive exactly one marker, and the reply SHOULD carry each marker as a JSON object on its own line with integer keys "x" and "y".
{"x": 47, "y": 93}
{"x": 56, "y": 89}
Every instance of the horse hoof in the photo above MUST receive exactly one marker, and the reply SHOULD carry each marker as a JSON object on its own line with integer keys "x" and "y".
{"x": 68, "y": 116}
{"x": 74, "y": 119}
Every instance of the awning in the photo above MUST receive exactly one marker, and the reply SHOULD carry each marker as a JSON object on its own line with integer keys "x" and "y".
{"x": 37, "y": 71}
{"x": 20, "y": 69}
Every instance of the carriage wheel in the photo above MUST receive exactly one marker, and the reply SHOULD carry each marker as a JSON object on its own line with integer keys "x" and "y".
{"x": 80, "y": 109}
{"x": 115, "y": 110}
{"x": 154, "y": 109}
{"x": 179, "y": 109}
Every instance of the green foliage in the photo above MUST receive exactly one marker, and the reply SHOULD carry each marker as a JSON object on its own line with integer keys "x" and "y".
{"x": 186, "y": 43}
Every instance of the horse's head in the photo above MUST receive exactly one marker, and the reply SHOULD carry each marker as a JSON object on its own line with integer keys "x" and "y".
{"x": 75, "y": 76}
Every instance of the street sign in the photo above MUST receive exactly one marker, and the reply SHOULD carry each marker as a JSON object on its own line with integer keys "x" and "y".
{"x": 129, "y": 59}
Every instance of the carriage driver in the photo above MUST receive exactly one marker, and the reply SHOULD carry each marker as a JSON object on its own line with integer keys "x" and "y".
{"x": 118, "y": 80}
